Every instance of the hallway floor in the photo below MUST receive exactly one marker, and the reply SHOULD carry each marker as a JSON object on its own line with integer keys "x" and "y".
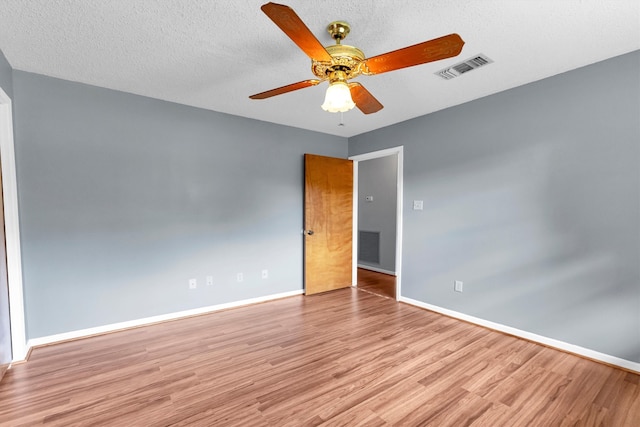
{"x": 380, "y": 284}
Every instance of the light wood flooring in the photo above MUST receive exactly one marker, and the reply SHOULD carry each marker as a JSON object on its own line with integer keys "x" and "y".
{"x": 344, "y": 358}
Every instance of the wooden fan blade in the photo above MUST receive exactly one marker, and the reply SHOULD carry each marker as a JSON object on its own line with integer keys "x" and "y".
{"x": 289, "y": 22}
{"x": 285, "y": 89}
{"x": 421, "y": 53}
{"x": 366, "y": 102}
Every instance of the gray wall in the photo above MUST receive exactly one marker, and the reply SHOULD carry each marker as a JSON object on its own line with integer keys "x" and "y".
{"x": 123, "y": 199}
{"x": 378, "y": 178}
{"x": 5, "y": 323}
{"x": 532, "y": 198}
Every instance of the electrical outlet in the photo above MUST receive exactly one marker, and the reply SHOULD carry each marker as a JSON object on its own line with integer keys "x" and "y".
{"x": 265, "y": 274}
{"x": 239, "y": 277}
{"x": 193, "y": 283}
{"x": 209, "y": 280}
{"x": 457, "y": 286}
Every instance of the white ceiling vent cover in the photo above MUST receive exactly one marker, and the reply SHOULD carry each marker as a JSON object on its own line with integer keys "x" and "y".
{"x": 464, "y": 66}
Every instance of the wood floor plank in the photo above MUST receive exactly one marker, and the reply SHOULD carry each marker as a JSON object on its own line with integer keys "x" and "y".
{"x": 343, "y": 358}
{"x": 377, "y": 283}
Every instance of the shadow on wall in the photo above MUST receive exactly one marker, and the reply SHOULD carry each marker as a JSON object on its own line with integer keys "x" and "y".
{"x": 537, "y": 236}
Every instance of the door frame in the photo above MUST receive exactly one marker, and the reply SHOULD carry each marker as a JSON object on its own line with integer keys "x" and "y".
{"x": 399, "y": 192}
{"x": 12, "y": 230}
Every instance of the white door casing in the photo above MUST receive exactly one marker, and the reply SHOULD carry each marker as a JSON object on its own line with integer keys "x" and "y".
{"x": 12, "y": 229}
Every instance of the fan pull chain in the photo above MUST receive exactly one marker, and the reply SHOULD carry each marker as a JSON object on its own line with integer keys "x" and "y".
{"x": 341, "y": 119}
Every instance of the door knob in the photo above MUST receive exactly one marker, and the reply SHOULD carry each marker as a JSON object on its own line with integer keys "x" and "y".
{"x": 309, "y": 232}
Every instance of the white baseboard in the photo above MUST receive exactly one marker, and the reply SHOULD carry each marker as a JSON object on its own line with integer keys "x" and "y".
{"x": 581, "y": 351}
{"x": 376, "y": 269}
{"x": 550, "y": 342}
{"x": 83, "y": 333}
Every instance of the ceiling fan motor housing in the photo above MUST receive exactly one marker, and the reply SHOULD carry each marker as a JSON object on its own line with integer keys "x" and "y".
{"x": 345, "y": 58}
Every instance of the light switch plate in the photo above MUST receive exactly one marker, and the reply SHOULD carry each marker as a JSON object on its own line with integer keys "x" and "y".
{"x": 457, "y": 286}
{"x": 417, "y": 205}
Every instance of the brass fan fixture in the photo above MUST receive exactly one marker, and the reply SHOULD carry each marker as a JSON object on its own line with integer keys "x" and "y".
{"x": 340, "y": 63}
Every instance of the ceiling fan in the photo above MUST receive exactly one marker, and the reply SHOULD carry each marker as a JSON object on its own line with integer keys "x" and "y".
{"x": 340, "y": 63}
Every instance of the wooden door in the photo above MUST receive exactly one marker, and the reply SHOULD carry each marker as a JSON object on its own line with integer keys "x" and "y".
{"x": 328, "y": 223}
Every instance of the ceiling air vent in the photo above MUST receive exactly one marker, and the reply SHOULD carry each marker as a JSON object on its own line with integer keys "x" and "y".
{"x": 463, "y": 67}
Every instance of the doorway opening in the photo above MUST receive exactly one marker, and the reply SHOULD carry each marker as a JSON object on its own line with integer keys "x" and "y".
{"x": 376, "y": 253}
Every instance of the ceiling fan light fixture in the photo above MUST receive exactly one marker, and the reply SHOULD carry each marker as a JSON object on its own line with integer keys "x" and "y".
{"x": 340, "y": 63}
{"x": 338, "y": 98}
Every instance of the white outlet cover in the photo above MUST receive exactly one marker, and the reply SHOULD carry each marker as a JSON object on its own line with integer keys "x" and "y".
{"x": 209, "y": 280}
{"x": 417, "y": 205}
{"x": 193, "y": 283}
{"x": 239, "y": 277}
{"x": 265, "y": 274}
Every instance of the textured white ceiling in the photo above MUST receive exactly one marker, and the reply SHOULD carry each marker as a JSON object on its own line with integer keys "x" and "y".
{"x": 213, "y": 54}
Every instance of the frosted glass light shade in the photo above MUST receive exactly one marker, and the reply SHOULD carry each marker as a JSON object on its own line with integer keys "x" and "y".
{"x": 338, "y": 98}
